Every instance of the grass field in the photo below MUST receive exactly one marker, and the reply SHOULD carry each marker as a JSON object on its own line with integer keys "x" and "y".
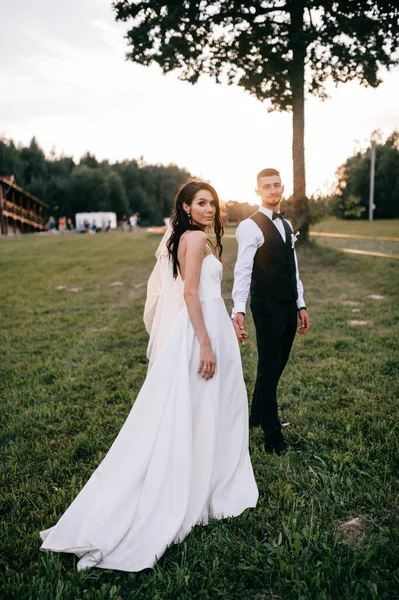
{"x": 381, "y": 227}
{"x": 377, "y": 229}
{"x": 73, "y": 362}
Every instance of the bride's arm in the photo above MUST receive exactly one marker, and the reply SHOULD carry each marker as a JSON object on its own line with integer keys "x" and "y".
{"x": 195, "y": 250}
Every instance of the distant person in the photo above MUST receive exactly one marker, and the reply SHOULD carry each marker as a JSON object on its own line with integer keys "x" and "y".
{"x": 51, "y": 225}
{"x": 69, "y": 225}
{"x": 62, "y": 224}
{"x": 93, "y": 226}
{"x": 182, "y": 456}
{"x": 124, "y": 223}
{"x": 267, "y": 265}
{"x": 133, "y": 221}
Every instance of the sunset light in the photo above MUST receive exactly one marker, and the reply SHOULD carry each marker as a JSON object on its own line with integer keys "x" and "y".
{"x": 84, "y": 96}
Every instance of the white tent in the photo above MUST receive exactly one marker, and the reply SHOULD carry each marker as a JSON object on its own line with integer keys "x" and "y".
{"x": 102, "y": 219}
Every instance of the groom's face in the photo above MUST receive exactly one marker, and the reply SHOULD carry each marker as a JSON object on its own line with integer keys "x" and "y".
{"x": 270, "y": 191}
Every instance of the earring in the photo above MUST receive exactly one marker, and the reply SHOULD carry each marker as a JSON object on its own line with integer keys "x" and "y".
{"x": 189, "y": 217}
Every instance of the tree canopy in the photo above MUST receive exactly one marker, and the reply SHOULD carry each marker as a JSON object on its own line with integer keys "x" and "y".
{"x": 352, "y": 193}
{"x": 254, "y": 44}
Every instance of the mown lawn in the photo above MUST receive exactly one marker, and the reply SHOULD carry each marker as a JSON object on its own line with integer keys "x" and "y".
{"x": 382, "y": 228}
{"x": 379, "y": 227}
{"x": 72, "y": 363}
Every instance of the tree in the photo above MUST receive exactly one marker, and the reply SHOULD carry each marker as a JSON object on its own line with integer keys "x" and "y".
{"x": 352, "y": 193}
{"x": 150, "y": 188}
{"x": 87, "y": 190}
{"x": 89, "y": 160}
{"x": 34, "y": 162}
{"x": 277, "y": 50}
{"x": 10, "y": 161}
{"x": 128, "y": 170}
{"x": 117, "y": 199}
{"x": 238, "y": 211}
{"x": 60, "y": 167}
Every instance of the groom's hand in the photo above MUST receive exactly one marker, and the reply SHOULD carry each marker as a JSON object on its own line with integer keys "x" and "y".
{"x": 305, "y": 321}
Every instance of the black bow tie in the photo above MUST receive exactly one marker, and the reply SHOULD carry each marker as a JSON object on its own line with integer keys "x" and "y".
{"x": 278, "y": 215}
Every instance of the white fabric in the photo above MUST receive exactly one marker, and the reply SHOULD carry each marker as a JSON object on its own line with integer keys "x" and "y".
{"x": 164, "y": 301}
{"x": 250, "y": 238}
{"x": 180, "y": 458}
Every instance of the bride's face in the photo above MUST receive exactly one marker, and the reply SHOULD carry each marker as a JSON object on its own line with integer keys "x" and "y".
{"x": 202, "y": 209}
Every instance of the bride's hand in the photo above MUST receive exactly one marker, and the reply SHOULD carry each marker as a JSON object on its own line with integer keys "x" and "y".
{"x": 238, "y": 323}
{"x": 207, "y": 362}
{"x": 240, "y": 333}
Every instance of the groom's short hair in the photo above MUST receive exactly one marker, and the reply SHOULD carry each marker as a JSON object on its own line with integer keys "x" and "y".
{"x": 267, "y": 173}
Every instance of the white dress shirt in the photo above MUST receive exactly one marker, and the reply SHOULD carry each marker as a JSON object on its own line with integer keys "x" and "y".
{"x": 250, "y": 238}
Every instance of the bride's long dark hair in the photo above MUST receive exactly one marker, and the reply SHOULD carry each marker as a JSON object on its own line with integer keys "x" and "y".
{"x": 180, "y": 220}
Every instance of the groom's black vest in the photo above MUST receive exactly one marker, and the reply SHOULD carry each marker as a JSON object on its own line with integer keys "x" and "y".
{"x": 274, "y": 271}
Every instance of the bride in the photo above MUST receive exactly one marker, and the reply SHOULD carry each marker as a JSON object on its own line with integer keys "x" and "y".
{"x": 182, "y": 455}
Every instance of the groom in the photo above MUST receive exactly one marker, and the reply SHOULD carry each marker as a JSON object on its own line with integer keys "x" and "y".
{"x": 267, "y": 265}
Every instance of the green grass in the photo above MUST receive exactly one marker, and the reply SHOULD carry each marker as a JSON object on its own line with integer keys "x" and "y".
{"x": 381, "y": 227}
{"x": 359, "y": 244}
{"x": 72, "y": 364}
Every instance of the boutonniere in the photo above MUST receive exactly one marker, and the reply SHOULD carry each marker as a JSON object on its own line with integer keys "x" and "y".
{"x": 294, "y": 237}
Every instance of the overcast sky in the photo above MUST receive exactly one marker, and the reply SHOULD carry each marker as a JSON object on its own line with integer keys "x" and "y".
{"x": 64, "y": 79}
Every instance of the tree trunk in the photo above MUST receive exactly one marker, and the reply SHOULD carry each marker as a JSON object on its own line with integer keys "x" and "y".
{"x": 298, "y": 46}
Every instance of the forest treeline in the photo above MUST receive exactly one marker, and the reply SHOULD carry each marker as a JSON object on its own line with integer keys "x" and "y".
{"x": 133, "y": 186}
{"x": 68, "y": 187}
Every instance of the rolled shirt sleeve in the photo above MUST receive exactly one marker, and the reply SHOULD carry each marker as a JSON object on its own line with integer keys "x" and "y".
{"x": 249, "y": 238}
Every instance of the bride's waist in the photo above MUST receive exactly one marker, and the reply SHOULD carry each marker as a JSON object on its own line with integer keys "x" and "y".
{"x": 213, "y": 309}
{"x": 211, "y": 291}
{"x": 216, "y": 296}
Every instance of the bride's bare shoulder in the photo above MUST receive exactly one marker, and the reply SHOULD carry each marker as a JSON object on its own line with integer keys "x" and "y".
{"x": 193, "y": 240}
{"x": 194, "y": 237}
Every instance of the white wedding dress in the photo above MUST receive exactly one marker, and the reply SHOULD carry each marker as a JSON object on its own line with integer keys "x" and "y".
{"x": 180, "y": 458}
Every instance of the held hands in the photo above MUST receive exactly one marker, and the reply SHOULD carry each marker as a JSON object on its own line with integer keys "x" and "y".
{"x": 207, "y": 364}
{"x": 238, "y": 324}
{"x": 305, "y": 321}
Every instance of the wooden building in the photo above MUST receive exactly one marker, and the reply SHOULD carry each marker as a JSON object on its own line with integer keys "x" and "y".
{"x": 20, "y": 212}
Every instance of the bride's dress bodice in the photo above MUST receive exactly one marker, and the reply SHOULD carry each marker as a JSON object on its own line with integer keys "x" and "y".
{"x": 211, "y": 278}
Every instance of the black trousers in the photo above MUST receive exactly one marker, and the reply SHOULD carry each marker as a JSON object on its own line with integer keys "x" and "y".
{"x": 275, "y": 324}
